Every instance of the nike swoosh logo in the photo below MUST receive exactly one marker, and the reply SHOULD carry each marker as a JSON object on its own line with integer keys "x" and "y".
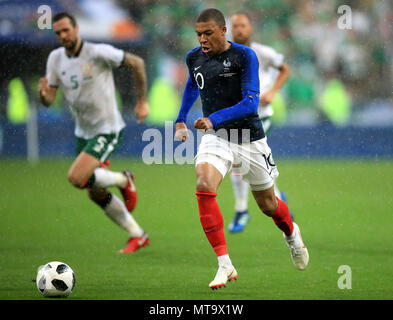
{"x": 195, "y": 69}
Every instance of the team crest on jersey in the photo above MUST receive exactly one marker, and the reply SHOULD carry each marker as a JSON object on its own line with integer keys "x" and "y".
{"x": 87, "y": 70}
{"x": 227, "y": 64}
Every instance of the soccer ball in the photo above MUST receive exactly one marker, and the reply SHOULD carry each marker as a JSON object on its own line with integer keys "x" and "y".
{"x": 55, "y": 279}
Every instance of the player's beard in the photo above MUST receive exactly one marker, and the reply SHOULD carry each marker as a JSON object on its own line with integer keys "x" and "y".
{"x": 71, "y": 45}
{"x": 240, "y": 40}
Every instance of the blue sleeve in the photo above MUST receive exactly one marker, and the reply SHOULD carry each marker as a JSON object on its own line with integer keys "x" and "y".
{"x": 247, "y": 106}
{"x": 190, "y": 95}
{"x": 250, "y": 90}
{"x": 250, "y": 74}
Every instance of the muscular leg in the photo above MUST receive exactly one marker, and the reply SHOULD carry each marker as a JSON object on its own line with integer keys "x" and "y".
{"x": 208, "y": 177}
{"x": 100, "y": 196}
{"x": 266, "y": 200}
{"x": 86, "y": 172}
{"x": 208, "y": 181}
{"x": 115, "y": 209}
{"x": 275, "y": 208}
{"x": 82, "y": 169}
{"x": 80, "y": 174}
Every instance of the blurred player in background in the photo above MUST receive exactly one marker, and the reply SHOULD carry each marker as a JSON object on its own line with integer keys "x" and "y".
{"x": 225, "y": 75}
{"x": 84, "y": 72}
{"x": 273, "y": 72}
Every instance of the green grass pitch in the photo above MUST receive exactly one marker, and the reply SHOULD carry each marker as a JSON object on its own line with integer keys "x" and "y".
{"x": 343, "y": 207}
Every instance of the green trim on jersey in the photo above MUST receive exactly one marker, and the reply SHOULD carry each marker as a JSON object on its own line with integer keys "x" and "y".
{"x": 101, "y": 146}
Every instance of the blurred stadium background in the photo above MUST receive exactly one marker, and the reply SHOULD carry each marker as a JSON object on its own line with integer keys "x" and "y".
{"x": 335, "y": 112}
{"x": 337, "y": 101}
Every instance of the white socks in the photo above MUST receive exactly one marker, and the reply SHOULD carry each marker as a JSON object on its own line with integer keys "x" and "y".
{"x": 105, "y": 178}
{"x": 240, "y": 189}
{"x": 117, "y": 211}
{"x": 224, "y": 261}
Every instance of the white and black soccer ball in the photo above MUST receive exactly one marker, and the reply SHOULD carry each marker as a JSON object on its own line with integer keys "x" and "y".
{"x": 55, "y": 279}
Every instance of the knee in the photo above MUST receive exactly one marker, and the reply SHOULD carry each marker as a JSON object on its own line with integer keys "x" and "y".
{"x": 203, "y": 184}
{"x": 75, "y": 180}
{"x": 268, "y": 205}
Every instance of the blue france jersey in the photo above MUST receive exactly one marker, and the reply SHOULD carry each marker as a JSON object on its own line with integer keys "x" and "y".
{"x": 224, "y": 80}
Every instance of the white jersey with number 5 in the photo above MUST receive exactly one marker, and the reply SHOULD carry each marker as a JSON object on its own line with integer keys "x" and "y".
{"x": 88, "y": 85}
{"x": 269, "y": 63}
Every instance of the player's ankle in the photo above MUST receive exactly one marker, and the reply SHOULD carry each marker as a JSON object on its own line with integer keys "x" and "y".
{"x": 121, "y": 179}
{"x": 224, "y": 261}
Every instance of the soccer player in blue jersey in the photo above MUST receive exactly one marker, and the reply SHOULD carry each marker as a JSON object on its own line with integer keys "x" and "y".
{"x": 225, "y": 75}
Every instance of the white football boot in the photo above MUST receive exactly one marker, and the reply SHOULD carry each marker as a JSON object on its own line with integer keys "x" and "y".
{"x": 299, "y": 252}
{"x": 223, "y": 275}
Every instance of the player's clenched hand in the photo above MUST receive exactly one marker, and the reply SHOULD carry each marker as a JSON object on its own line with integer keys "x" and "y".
{"x": 142, "y": 110}
{"x": 43, "y": 87}
{"x": 181, "y": 132}
{"x": 267, "y": 97}
{"x": 203, "y": 123}
{"x": 46, "y": 92}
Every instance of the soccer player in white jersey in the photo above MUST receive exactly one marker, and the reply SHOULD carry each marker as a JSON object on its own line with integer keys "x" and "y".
{"x": 84, "y": 72}
{"x": 273, "y": 72}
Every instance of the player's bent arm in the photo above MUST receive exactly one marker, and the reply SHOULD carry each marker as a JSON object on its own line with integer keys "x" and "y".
{"x": 247, "y": 106}
{"x": 190, "y": 95}
{"x": 282, "y": 77}
{"x": 137, "y": 64}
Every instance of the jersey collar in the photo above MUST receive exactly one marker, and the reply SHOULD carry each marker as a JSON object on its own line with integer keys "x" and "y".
{"x": 76, "y": 55}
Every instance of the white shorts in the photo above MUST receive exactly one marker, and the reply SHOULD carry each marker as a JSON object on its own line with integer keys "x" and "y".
{"x": 255, "y": 159}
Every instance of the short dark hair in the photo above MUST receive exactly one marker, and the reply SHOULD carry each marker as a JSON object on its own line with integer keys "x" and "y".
{"x": 243, "y": 13}
{"x": 212, "y": 14}
{"x": 62, "y": 15}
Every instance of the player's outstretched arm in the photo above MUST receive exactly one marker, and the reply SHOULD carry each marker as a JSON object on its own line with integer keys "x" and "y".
{"x": 46, "y": 92}
{"x": 137, "y": 65}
